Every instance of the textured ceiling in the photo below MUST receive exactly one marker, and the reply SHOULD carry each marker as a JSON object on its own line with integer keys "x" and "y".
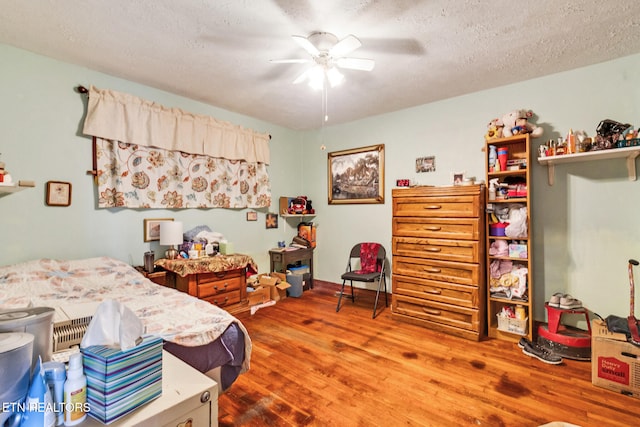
{"x": 218, "y": 51}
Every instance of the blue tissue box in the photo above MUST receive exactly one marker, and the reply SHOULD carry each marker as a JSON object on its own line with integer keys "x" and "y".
{"x": 120, "y": 381}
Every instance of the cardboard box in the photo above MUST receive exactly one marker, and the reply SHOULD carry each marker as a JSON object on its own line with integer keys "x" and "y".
{"x": 615, "y": 363}
{"x": 259, "y": 295}
{"x": 276, "y": 283}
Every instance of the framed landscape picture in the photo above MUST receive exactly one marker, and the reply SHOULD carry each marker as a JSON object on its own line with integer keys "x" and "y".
{"x": 152, "y": 228}
{"x": 356, "y": 175}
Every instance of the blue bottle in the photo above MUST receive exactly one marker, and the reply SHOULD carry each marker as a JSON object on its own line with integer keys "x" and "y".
{"x": 493, "y": 158}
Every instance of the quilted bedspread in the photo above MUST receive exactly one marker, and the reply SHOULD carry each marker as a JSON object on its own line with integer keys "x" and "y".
{"x": 173, "y": 315}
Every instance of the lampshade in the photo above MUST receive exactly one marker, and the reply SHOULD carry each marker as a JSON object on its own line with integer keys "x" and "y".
{"x": 171, "y": 233}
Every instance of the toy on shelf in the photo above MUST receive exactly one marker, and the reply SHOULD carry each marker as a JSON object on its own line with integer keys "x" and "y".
{"x": 517, "y": 122}
{"x": 300, "y": 206}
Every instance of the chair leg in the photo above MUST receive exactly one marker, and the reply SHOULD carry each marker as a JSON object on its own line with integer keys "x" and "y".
{"x": 375, "y": 305}
{"x": 340, "y": 297}
{"x": 386, "y": 300}
{"x": 353, "y": 298}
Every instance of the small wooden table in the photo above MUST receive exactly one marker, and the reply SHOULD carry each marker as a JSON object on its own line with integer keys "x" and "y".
{"x": 284, "y": 257}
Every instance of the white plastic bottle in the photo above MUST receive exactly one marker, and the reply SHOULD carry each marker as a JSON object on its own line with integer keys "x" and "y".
{"x": 75, "y": 392}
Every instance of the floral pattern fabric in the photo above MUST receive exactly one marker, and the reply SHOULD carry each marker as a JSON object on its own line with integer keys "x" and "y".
{"x": 136, "y": 176}
{"x": 210, "y": 264}
{"x": 173, "y": 315}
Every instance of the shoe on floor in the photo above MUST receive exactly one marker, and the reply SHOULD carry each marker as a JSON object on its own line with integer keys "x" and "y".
{"x": 554, "y": 301}
{"x": 523, "y": 342}
{"x": 540, "y": 353}
{"x": 568, "y": 302}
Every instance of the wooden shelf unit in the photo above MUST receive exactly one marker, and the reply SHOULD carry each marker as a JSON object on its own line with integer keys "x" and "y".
{"x": 519, "y": 148}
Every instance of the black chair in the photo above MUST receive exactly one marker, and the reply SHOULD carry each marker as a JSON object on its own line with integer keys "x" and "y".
{"x": 356, "y": 276}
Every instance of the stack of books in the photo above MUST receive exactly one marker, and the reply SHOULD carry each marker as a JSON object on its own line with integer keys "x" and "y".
{"x": 120, "y": 381}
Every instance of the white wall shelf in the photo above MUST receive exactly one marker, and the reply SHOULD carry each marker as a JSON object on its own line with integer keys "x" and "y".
{"x": 630, "y": 153}
{"x": 8, "y": 189}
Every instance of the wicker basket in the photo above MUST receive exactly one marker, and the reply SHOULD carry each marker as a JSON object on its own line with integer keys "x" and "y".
{"x": 512, "y": 325}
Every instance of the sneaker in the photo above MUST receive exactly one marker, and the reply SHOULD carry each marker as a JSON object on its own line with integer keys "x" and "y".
{"x": 554, "y": 301}
{"x": 568, "y": 302}
{"x": 523, "y": 342}
{"x": 540, "y": 353}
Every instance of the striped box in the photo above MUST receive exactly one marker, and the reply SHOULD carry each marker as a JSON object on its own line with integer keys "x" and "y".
{"x": 119, "y": 381}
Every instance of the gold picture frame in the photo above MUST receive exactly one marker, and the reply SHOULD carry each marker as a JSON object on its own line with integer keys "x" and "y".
{"x": 152, "y": 228}
{"x": 58, "y": 193}
{"x": 356, "y": 175}
{"x": 252, "y": 216}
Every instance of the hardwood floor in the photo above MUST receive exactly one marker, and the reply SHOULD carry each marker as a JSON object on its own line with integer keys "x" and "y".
{"x": 313, "y": 366}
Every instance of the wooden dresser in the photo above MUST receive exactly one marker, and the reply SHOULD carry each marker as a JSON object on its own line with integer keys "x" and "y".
{"x": 223, "y": 288}
{"x": 220, "y": 280}
{"x": 438, "y": 253}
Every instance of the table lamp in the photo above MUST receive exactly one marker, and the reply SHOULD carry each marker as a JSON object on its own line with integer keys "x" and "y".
{"x": 170, "y": 235}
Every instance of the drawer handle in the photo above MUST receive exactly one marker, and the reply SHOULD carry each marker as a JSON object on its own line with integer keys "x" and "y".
{"x": 433, "y": 207}
{"x": 433, "y": 249}
{"x": 221, "y": 303}
{"x": 433, "y": 291}
{"x": 433, "y": 228}
{"x": 430, "y": 311}
{"x": 204, "y": 397}
{"x": 223, "y": 287}
{"x": 432, "y": 270}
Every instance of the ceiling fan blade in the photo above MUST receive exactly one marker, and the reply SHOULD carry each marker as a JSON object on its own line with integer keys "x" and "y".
{"x": 289, "y": 61}
{"x": 356, "y": 63}
{"x": 306, "y": 45}
{"x": 302, "y": 77}
{"x": 345, "y": 46}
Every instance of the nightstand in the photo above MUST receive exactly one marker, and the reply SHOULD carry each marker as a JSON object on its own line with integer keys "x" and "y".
{"x": 158, "y": 276}
{"x": 188, "y": 398}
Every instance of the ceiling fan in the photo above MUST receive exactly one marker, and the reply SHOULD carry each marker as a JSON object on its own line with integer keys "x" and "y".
{"x": 327, "y": 55}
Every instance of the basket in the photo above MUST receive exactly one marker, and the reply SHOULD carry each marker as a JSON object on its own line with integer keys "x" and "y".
{"x": 512, "y": 325}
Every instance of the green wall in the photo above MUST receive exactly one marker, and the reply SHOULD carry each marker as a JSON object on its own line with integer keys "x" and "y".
{"x": 41, "y": 140}
{"x": 585, "y": 226}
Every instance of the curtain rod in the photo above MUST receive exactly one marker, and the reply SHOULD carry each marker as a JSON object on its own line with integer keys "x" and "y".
{"x": 82, "y": 89}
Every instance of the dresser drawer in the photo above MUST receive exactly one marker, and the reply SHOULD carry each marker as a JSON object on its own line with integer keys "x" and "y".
{"x": 203, "y": 278}
{"x": 437, "y": 206}
{"x": 217, "y": 287}
{"x": 443, "y": 271}
{"x": 224, "y": 299}
{"x": 436, "y": 312}
{"x": 433, "y": 290}
{"x": 450, "y": 250}
{"x": 438, "y": 228}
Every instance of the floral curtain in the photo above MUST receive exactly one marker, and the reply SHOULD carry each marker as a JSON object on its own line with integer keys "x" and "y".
{"x": 151, "y": 156}
{"x": 137, "y": 176}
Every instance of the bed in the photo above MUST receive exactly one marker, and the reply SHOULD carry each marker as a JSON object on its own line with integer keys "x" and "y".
{"x": 203, "y": 335}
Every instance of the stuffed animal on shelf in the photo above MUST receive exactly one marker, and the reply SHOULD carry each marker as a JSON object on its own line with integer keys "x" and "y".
{"x": 494, "y": 130}
{"x": 517, "y": 122}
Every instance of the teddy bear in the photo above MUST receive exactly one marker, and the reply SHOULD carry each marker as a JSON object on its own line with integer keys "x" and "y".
{"x": 517, "y": 122}
{"x": 494, "y": 130}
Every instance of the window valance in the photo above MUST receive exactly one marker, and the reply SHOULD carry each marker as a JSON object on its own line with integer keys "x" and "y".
{"x": 122, "y": 117}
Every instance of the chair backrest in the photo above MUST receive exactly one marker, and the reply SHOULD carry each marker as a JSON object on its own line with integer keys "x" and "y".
{"x": 381, "y": 257}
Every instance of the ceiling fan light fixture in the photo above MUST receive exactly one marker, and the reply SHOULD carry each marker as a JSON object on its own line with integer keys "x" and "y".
{"x": 334, "y": 76}
{"x": 316, "y": 77}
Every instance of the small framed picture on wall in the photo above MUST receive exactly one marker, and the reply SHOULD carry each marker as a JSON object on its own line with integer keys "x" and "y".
{"x": 271, "y": 220}
{"x": 58, "y": 193}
